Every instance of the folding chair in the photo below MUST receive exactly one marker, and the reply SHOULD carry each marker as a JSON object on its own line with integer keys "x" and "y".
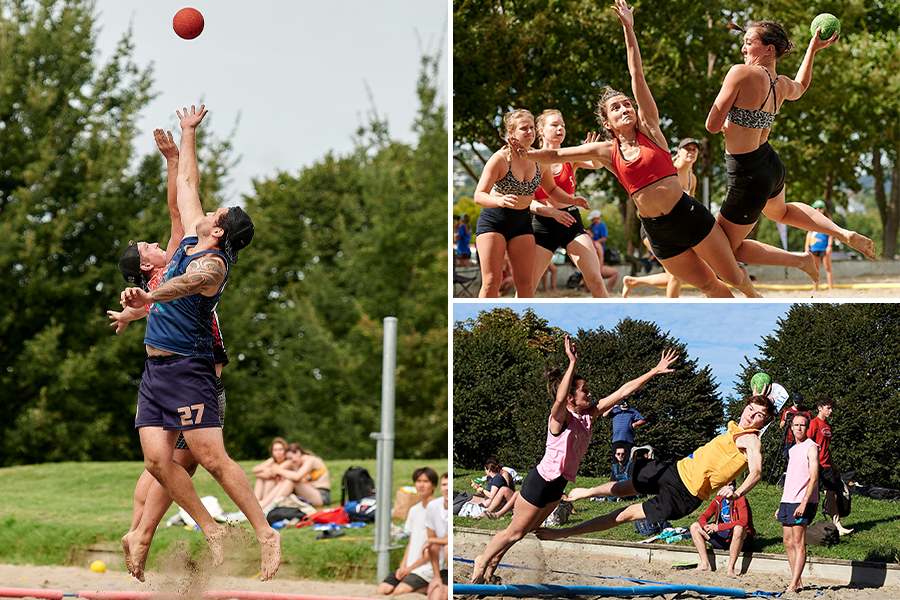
{"x": 463, "y": 282}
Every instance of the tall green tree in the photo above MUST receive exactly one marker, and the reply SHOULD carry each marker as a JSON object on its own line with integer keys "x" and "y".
{"x": 850, "y": 353}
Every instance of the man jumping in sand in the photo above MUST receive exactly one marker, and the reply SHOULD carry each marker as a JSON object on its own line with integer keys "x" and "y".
{"x": 681, "y": 489}
{"x": 178, "y": 391}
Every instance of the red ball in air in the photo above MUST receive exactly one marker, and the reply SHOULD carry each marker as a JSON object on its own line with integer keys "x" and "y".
{"x": 188, "y": 23}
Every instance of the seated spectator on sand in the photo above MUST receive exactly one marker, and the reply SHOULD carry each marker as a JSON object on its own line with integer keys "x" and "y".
{"x": 437, "y": 519}
{"x": 307, "y": 477}
{"x": 726, "y": 525}
{"x": 266, "y": 476}
{"x": 497, "y": 490}
{"x": 415, "y": 572}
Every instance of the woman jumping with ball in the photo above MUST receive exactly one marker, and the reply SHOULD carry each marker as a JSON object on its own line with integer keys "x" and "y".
{"x": 683, "y": 233}
{"x": 568, "y": 436}
{"x": 744, "y": 110}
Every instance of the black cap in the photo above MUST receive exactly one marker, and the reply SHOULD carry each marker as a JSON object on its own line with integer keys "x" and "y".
{"x": 688, "y": 142}
{"x": 130, "y": 266}
{"x": 797, "y": 398}
{"x": 238, "y": 232}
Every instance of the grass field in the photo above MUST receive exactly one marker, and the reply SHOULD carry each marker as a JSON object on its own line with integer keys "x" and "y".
{"x": 876, "y": 522}
{"x": 51, "y": 513}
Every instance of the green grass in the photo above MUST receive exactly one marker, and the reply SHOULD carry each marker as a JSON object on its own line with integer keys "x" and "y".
{"x": 50, "y": 513}
{"x": 876, "y": 523}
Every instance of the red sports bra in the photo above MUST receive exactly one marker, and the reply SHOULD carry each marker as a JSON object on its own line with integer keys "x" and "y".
{"x": 565, "y": 181}
{"x": 651, "y": 165}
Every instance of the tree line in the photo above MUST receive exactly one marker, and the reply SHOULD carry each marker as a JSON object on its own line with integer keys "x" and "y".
{"x": 339, "y": 246}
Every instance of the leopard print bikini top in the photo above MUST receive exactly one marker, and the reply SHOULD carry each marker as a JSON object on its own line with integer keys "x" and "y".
{"x": 756, "y": 119}
{"x": 511, "y": 185}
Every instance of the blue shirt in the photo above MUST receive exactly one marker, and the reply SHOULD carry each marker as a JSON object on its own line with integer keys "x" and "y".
{"x": 622, "y": 420}
{"x": 462, "y": 244}
{"x": 600, "y": 231}
{"x": 819, "y": 242}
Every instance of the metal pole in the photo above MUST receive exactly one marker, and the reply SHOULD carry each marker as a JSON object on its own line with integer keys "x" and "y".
{"x": 385, "y": 450}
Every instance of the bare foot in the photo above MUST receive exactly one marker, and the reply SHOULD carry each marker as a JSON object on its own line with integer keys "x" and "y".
{"x": 271, "y": 556}
{"x": 545, "y": 533}
{"x": 706, "y": 567}
{"x": 478, "y": 570}
{"x": 730, "y": 572}
{"x": 844, "y": 531}
{"x": 627, "y": 285}
{"x": 489, "y": 571}
{"x": 137, "y": 549}
{"x": 127, "y": 554}
{"x": 862, "y": 243}
{"x": 215, "y": 541}
{"x": 491, "y": 515}
{"x": 810, "y": 267}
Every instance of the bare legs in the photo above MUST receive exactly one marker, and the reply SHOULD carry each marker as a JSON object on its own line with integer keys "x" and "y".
{"x": 663, "y": 280}
{"x": 700, "y": 537}
{"x": 795, "y": 548}
{"x": 492, "y": 248}
{"x": 584, "y": 256}
{"x": 832, "y": 511}
{"x": 753, "y": 252}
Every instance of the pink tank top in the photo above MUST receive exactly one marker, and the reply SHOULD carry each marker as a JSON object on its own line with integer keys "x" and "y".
{"x": 565, "y": 451}
{"x": 797, "y": 477}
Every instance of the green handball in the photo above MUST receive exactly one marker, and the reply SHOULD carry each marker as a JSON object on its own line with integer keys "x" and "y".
{"x": 758, "y": 382}
{"x": 829, "y": 24}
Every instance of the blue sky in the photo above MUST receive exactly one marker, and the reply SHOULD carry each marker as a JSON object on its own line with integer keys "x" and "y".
{"x": 720, "y": 335}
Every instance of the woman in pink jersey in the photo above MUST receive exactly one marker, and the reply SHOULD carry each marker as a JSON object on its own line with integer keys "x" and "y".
{"x": 552, "y": 228}
{"x": 568, "y": 436}
{"x": 684, "y": 235}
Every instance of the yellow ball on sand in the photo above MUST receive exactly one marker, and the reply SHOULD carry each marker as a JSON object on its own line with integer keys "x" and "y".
{"x": 98, "y": 566}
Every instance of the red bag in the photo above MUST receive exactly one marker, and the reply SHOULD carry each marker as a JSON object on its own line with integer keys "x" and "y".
{"x": 332, "y": 515}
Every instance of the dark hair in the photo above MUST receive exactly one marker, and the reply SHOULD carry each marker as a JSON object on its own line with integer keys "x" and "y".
{"x": 826, "y": 401}
{"x": 771, "y": 33}
{"x": 298, "y": 448}
{"x": 491, "y": 465}
{"x": 765, "y": 402}
{"x": 799, "y": 414}
{"x": 432, "y": 475}
{"x": 445, "y": 475}
{"x": 605, "y": 94}
{"x": 554, "y": 378}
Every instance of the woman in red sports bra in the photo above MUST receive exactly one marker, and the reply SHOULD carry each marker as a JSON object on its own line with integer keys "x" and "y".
{"x": 682, "y": 232}
{"x": 506, "y": 189}
{"x": 756, "y": 174}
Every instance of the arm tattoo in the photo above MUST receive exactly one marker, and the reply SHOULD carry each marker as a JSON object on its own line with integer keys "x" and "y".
{"x": 205, "y": 273}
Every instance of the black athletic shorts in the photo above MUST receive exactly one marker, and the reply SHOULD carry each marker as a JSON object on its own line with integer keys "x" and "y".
{"x": 510, "y": 222}
{"x": 540, "y": 492}
{"x": 672, "y": 500}
{"x": 686, "y": 225}
{"x": 819, "y": 253}
{"x": 551, "y": 234}
{"x": 753, "y": 178}
{"x": 412, "y": 580}
{"x": 831, "y": 481}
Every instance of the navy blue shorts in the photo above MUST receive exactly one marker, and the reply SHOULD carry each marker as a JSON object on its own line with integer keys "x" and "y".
{"x": 786, "y": 513}
{"x": 686, "y": 225}
{"x": 753, "y": 178}
{"x": 510, "y": 222}
{"x": 551, "y": 234}
{"x": 178, "y": 393}
{"x": 721, "y": 540}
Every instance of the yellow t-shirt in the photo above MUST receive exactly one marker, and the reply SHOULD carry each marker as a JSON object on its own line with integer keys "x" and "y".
{"x": 715, "y": 464}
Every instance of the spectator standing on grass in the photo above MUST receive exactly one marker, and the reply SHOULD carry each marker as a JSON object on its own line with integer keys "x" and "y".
{"x": 624, "y": 420}
{"x": 829, "y": 474}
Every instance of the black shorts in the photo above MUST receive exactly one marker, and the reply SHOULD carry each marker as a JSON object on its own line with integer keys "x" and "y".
{"x": 180, "y": 443}
{"x": 753, "y": 178}
{"x": 830, "y": 480}
{"x": 786, "y": 510}
{"x": 178, "y": 393}
{"x": 445, "y": 576}
{"x": 412, "y": 580}
{"x": 721, "y": 540}
{"x": 510, "y": 222}
{"x": 551, "y": 234}
{"x": 540, "y": 492}
{"x": 686, "y": 225}
{"x": 672, "y": 500}
{"x": 819, "y": 253}
{"x": 325, "y": 494}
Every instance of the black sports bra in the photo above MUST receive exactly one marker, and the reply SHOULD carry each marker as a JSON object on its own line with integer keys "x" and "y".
{"x": 756, "y": 119}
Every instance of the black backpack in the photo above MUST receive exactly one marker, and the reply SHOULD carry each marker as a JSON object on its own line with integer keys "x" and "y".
{"x": 356, "y": 485}
{"x": 822, "y": 533}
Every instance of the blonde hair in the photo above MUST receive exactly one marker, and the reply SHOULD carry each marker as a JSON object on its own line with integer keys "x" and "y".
{"x": 542, "y": 118}
{"x": 509, "y": 119}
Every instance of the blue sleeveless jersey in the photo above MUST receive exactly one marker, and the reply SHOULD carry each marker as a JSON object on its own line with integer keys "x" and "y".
{"x": 184, "y": 326}
{"x": 819, "y": 242}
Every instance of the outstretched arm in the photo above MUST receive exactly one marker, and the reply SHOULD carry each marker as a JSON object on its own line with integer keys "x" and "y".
{"x": 169, "y": 149}
{"x": 649, "y": 114}
{"x": 598, "y": 151}
{"x": 668, "y": 357}
{"x": 188, "y": 180}
{"x": 204, "y": 275}
{"x": 559, "y": 413}
{"x": 804, "y": 73}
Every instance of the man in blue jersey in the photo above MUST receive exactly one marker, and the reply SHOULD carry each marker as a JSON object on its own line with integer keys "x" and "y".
{"x": 178, "y": 391}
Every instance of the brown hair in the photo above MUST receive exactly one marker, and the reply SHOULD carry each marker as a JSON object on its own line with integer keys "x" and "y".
{"x": 771, "y": 33}
{"x": 765, "y": 402}
{"x": 298, "y": 448}
{"x": 277, "y": 440}
{"x": 554, "y": 378}
{"x": 510, "y": 117}
{"x": 800, "y": 414}
{"x": 432, "y": 475}
{"x": 600, "y": 110}
{"x": 826, "y": 401}
{"x": 491, "y": 465}
{"x": 539, "y": 123}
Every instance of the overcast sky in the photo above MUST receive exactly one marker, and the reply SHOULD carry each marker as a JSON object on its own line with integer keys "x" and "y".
{"x": 718, "y": 334}
{"x": 295, "y": 71}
